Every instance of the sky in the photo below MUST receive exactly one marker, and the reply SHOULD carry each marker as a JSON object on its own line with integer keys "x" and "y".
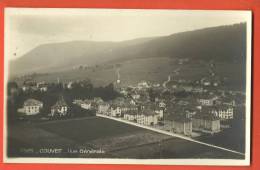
{"x": 27, "y": 28}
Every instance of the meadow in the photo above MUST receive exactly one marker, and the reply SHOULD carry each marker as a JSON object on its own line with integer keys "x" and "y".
{"x": 116, "y": 139}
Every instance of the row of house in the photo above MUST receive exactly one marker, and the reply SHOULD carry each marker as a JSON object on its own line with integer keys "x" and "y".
{"x": 127, "y": 109}
{"x": 145, "y": 117}
{"x": 206, "y": 123}
{"x": 33, "y": 85}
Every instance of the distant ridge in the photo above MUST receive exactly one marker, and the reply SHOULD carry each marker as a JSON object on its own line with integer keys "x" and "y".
{"x": 223, "y": 44}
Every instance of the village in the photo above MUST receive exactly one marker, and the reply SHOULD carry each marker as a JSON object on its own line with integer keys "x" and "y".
{"x": 177, "y": 106}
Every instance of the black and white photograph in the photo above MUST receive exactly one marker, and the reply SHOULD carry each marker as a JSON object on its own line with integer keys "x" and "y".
{"x": 127, "y": 86}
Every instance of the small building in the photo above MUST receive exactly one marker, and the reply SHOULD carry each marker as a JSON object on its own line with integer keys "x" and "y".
{"x": 182, "y": 125}
{"x": 207, "y": 100}
{"x": 197, "y": 89}
{"x": 162, "y": 104}
{"x": 206, "y": 122}
{"x": 135, "y": 96}
{"x": 160, "y": 112}
{"x": 123, "y": 92}
{"x": 77, "y": 101}
{"x": 42, "y": 86}
{"x": 143, "y": 84}
{"x": 228, "y": 101}
{"x": 60, "y": 108}
{"x": 187, "y": 88}
{"x": 32, "y": 107}
{"x": 205, "y": 81}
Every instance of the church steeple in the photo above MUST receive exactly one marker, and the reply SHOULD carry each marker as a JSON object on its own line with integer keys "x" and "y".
{"x": 118, "y": 81}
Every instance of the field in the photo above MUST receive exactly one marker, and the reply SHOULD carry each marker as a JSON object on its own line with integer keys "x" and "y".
{"x": 116, "y": 139}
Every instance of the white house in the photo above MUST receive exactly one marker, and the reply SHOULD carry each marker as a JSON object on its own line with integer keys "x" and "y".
{"x": 207, "y": 100}
{"x": 31, "y": 107}
{"x": 224, "y": 113}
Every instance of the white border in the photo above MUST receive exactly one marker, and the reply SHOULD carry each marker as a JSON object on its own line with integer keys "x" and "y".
{"x": 226, "y": 162}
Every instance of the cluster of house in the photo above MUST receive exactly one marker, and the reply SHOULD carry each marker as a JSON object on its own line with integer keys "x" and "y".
{"x": 127, "y": 109}
{"x": 222, "y": 108}
{"x": 202, "y": 112}
{"x": 33, "y": 85}
{"x": 200, "y": 122}
{"x": 137, "y": 108}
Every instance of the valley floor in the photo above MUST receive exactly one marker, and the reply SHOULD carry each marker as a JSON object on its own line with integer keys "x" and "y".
{"x": 77, "y": 138}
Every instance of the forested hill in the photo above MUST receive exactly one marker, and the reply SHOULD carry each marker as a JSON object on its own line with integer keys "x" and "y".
{"x": 223, "y": 43}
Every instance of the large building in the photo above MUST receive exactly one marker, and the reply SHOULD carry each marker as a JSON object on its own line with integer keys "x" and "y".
{"x": 31, "y": 107}
{"x": 207, "y": 123}
{"x": 182, "y": 125}
{"x": 103, "y": 108}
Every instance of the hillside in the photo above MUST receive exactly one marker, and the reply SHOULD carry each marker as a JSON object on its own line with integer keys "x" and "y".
{"x": 147, "y": 58}
{"x": 224, "y": 43}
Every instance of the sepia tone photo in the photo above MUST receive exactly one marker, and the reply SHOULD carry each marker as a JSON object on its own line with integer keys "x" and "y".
{"x": 127, "y": 86}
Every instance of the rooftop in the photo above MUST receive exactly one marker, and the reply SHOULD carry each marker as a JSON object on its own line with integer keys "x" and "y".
{"x": 60, "y": 103}
{"x": 32, "y": 102}
{"x": 205, "y": 116}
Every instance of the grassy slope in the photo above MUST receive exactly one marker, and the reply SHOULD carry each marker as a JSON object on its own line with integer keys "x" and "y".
{"x": 151, "y": 69}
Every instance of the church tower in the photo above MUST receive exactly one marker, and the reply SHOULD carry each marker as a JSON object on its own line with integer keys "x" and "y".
{"x": 118, "y": 76}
